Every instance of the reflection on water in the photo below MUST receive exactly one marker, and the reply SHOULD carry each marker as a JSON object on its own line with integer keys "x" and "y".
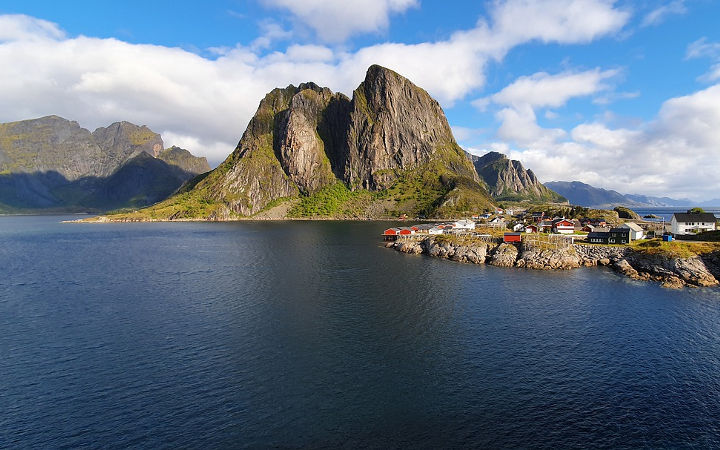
{"x": 312, "y": 334}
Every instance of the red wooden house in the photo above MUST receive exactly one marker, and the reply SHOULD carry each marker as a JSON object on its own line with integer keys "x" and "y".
{"x": 512, "y": 237}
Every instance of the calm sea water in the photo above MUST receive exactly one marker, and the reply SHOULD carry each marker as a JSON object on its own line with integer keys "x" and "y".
{"x": 667, "y": 212}
{"x": 312, "y": 334}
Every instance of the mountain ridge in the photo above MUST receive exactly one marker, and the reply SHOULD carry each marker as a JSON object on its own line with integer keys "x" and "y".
{"x": 53, "y": 163}
{"x": 386, "y": 151}
{"x": 583, "y": 194}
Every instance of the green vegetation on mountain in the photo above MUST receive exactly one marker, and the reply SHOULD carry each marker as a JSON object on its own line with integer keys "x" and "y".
{"x": 53, "y": 165}
{"x": 508, "y": 180}
{"x": 385, "y": 152}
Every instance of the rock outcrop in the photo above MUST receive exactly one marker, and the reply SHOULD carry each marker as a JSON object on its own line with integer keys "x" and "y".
{"x": 671, "y": 272}
{"x": 509, "y": 180}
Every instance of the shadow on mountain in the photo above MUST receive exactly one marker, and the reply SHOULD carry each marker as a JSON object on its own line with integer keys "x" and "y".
{"x": 141, "y": 181}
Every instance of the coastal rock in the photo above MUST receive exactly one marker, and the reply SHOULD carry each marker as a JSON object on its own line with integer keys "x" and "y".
{"x": 563, "y": 258}
{"x": 413, "y": 247}
{"x": 671, "y": 272}
{"x": 593, "y": 255}
{"x": 690, "y": 271}
{"x": 504, "y": 255}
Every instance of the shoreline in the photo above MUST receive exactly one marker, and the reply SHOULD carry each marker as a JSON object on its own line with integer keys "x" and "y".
{"x": 670, "y": 272}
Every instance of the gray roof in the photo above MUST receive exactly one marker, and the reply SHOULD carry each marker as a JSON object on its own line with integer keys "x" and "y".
{"x": 632, "y": 225}
{"x": 701, "y": 217}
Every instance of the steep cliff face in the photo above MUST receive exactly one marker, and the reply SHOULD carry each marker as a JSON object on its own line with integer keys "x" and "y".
{"x": 392, "y": 137}
{"x": 509, "y": 180}
{"x": 395, "y": 125}
{"x": 52, "y": 162}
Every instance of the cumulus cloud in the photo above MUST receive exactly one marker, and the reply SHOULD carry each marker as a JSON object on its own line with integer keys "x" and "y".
{"x": 674, "y": 154}
{"x": 335, "y": 21}
{"x": 521, "y": 98}
{"x": 17, "y": 27}
{"x": 209, "y": 101}
{"x": 544, "y": 90}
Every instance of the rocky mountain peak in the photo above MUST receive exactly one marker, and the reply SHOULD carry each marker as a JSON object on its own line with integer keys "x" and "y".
{"x": 305, "y": 138}
{"x": 508, "y": 180}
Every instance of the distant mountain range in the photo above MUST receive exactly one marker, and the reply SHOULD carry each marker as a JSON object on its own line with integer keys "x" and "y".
{"x": 583, "y": 194}
{"x": 52, "y": 163}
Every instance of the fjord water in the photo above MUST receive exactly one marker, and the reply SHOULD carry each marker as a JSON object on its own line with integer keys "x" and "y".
{"x": 312, "y": 334}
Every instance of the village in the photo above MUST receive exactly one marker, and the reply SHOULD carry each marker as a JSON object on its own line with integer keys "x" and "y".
{"x": 510, "y": 226}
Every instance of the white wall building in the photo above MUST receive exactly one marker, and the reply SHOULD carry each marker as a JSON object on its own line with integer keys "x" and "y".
{"x": 464, "y": 224}
{"x": 687, "y": 223}
{"x": 636, "y": 232}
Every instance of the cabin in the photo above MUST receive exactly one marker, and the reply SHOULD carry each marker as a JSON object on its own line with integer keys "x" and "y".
{"x": 391, "y": 234}
{"x": 464, "y": 224}
{"x": 636, "y": 232}
{"x": 512, "y": 237}
{"x": 598, "y": 237}
{"x": 518, "y": 227}
{"x": 497, "y": 222}
{"x": 531, "y": 229}
{"x": 563, "y": 226}
{"x": 435, "y": 230}
{"x": 619, "y": 236}
{"x": 614, "y": 236}
{"x": 692, "y": 223}
{"x": 406, "y": 231}
{"x": 545, "y": 226}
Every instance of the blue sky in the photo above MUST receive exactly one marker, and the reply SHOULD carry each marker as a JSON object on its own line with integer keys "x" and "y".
{"x": 621, "y": 95}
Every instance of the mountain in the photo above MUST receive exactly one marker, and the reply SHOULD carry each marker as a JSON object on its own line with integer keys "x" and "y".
{"x": 509, "y": 180}
{"x": 53, "y": 163}
{"x": 389, "y": 150}
{"x": 582, "y": 194}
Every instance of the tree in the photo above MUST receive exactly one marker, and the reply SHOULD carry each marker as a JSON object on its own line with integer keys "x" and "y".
{"x": 696, "y": 210}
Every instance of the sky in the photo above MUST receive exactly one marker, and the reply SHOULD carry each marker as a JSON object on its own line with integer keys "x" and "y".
{"x": 623, "y": 95}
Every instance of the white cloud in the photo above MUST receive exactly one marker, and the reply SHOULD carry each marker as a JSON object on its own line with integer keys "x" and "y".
{"x": 335, "y": 21}
{"x": 659, "y": 14}
{"x": 704, "y": 49}
{"x": 521, "y": 98}
{"x": 563, "y": 21}
{"x": 18, "y": 27}
{"x": 545, "y": 90}
{"x": 675, "y": 154}
{"x": 99, "y": 81}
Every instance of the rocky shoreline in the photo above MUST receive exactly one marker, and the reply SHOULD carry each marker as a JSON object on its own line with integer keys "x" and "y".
{"x": 696, "y": 271}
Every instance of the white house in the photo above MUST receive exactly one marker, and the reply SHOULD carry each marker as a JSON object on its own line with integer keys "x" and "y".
{"x": 687, "y": 223}
{"x": 636, "y": 232}
{"x": 563, "y": 226}
{"x": 435, "y": 230}
{"x": 518, "y": 227}
{"x": 464, "y": 224}
{"x": 498, "y": 222}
